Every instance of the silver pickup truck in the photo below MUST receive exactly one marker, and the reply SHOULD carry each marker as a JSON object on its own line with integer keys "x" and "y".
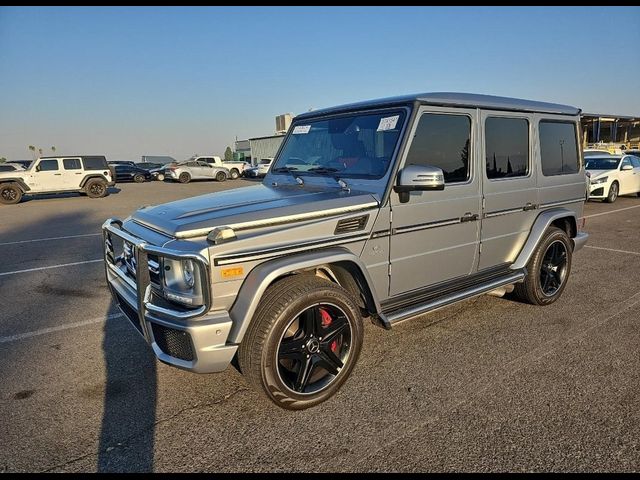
{"x": 384, "y": 210}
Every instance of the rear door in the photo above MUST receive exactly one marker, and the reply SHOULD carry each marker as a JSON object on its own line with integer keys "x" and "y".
{"x": 510, "y": 193}
{"x": 72, "y": 173}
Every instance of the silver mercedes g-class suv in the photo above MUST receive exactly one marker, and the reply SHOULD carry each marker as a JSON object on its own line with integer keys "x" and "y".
{"x": 385, "y": 209}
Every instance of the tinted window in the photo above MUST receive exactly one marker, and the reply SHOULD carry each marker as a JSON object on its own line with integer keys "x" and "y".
{"x": 7, "y": 168}
{"x": 71, "y": 164}
{"x": 94, "y": 163}
{"x": 443, "y": 141}
{"x": 206, "y": 159}
{"x": 48, "y": 165}
{"x": 626, "y": 161}
{"x": 635, "y": 161}
{"x": 506, "y": 147}
{"x": 191, "y": 164}
{"x": 558, "y": 149}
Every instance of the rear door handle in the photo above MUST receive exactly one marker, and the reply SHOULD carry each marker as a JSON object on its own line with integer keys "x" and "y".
{"x": 469, "y": 217}
{"x": 529, "y": 206}
{"x": 57, "y": 174}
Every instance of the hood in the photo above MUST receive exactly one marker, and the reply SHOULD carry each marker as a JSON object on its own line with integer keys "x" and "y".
{"x": 600, "y": 173}
{"x": 250, "y": 207}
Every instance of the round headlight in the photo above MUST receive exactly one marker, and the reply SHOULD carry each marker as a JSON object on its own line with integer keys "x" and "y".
{"x": 188, "y": 273}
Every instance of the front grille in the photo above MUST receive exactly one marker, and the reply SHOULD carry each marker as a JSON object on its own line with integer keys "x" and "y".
{"x": 129, "y": 312}
{"x": 154, "y": 269}
{"x": 174, "y": 343}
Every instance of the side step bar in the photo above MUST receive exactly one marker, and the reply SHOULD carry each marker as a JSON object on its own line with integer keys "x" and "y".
{"x": 403, "y": 314}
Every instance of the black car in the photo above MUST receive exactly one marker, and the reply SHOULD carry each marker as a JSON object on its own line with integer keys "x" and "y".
{"x": 130, "y": 173}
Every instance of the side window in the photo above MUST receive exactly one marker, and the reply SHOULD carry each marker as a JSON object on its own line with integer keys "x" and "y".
{"x": 6, "y": 168}
{"x": 635, "y": 161}
{"x": 206, "y": 160}
{"x": 443, "y": 141}
{"x": 506, "y": 147}
{"x": 71, "y": 164}
{"x": 48, "y": 165}
{"x": 192, "y": 164}
{"x": 558, "y": 149}
{"x": 626, "y": 161}
{"x": 94, "y": 163}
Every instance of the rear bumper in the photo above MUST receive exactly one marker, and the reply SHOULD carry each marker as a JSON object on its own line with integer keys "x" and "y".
{"x": 195, "y": 340}
{"x": 579, "y": 240}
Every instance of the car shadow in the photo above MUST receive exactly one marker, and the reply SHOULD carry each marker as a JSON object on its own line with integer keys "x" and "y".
{"x": 42, "y": 196}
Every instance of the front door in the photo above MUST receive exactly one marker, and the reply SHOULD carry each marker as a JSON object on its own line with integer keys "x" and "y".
{"x": 435, "y": 235}
{"x": 628, "y": 178}
{"x": 46, "y": 176}
{"x": 509, "y": 186}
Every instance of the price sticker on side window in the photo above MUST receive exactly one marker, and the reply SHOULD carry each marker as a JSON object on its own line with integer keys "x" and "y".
{"x": 388, "y": 123}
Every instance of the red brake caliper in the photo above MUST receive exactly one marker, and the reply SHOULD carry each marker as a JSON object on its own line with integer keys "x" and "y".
{"x": 326, "y": 321}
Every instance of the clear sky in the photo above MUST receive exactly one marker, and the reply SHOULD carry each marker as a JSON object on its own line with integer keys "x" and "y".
{"x": 125, "y": 82}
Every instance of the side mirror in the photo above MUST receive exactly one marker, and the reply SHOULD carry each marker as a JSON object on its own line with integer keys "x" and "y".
{"x": 627, "y": 167}
{"x": 38, "y": 168}
{"x": 417, "y": 178}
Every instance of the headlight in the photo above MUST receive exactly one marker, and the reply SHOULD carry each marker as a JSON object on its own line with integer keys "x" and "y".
{"x": 599, "y": 180}
{"x": 188, "y": 273}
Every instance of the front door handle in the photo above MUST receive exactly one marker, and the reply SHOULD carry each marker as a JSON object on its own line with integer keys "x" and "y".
{"x": 57, "y": 174}
{"x": 529, "y": 206}
{"x": 469, "y": 217}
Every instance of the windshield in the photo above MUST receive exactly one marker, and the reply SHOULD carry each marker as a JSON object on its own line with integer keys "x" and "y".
{"x": 265, "y": 161}
{"x": 602, "y": 163}
{"x": 351, "y": 146}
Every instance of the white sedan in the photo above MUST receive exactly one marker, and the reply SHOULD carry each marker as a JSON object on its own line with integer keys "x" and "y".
{"x": 613, "y": 175}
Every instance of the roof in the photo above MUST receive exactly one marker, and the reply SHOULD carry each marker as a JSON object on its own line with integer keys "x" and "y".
{"x": 452, "y": 99}
{"x": 264, "y": 138}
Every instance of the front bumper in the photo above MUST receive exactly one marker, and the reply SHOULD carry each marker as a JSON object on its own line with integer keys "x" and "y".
{"x": 194, "y": 340}
{"x": 599, "y": 190}
{"x": 579, "y": 240}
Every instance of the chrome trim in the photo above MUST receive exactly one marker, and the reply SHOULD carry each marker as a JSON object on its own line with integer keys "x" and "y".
{"x": 410, "y": 312}
{"x": 381, "y": 233}
{"x": 425, "y": 226}
{"x": 282, "y": 220}
{"x": 266, "y": 253}
{"x": 561, "y": 202}
{"x": 141, "y": 286}
{"x": 497, "y": 213}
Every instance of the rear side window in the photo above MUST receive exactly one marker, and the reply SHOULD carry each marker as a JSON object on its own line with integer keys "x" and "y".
{"x": 558, "y": 148}
{"x": 443, "y": 141}
{"x": 48, "y": 165}
{"x": 71, "y": 164}
{"x": 94, "y": 163}
{"x": 7, "y": 168}
{"x": 506, "y": 147}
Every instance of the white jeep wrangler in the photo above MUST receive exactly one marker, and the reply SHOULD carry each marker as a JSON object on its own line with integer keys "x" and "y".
{"x": 88, "y": 175}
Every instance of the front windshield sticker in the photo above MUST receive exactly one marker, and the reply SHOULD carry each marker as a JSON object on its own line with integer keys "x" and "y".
{"x": 304, "y": 129}
{"x": 388, "y": 123}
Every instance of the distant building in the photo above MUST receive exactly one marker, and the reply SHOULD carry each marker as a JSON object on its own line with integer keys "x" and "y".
{"x": 283, "y": 122}
{"x": 255, "y": 149}
{"x": 610, "y": 130}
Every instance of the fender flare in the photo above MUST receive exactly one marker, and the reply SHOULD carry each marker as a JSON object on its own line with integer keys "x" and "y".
{"x": 17, "y": 180}
{"x": 263, "y": 275}
{"x": 544, "y": 220}
{"x": 88, "y": 177}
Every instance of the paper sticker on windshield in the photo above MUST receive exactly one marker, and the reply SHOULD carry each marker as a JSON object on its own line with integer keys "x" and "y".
{"x": 301, "y": 129}
{"x": 388, "y": 123}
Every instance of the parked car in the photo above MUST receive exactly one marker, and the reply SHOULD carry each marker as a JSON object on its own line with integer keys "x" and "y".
{"x": 128, "y": 173}
{"x": 259, "y": 170}
{"x": 236, "y": 169}
{"x": 10, "y": 167}
{"x": 191, "y": 170}
{"x": 86, "y": 174}
{"x": 155, "y": 169}
{"x": 409, "y": 204}
{"x": 613, "y": 175}
{"x": 25, "y": 163}
{"x": 122, "y": 162}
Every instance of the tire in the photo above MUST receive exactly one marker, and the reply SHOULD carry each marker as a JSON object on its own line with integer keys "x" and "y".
{"x": 221, "y": 176}
{"x": 184, "y": 177}
{"x": 290, "y": 314}
{"x": 139, "y": 178}
{"x": 234, "y": 174}
{"x": 614, "y": 190}
{"x": 10, "y": 194}
{"x": 96, "y": 188}
{"x": 160, "y": 177}
{"x": 548, "y": 269}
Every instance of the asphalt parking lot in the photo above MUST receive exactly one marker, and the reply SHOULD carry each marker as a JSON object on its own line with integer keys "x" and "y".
{"x": 487, "y": 385}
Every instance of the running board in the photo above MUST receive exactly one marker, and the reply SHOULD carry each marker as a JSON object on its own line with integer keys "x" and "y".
{"x": 400, "y": 315}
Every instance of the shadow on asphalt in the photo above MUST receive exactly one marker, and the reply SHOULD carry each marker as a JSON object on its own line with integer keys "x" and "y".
{"x": 30, "y": 198}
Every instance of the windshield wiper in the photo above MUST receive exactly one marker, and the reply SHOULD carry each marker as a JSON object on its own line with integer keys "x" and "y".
{"x": 320, "y": 170}
{"x": 290, "y": 170}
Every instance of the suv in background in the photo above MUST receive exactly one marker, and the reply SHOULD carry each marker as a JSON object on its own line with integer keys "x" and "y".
{"x": 260, "y": 170}
{"x": 195, "y": 170}
{"x": 131, "y": 173}
{"x": 387, "y": 210}
{"x": 86, "y": 174}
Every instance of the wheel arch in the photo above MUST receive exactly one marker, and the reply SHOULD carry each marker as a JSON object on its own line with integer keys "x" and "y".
{"x": 17, "y": 181}
{"x": 562, "y": 218}
{"x": 86, "y": 178}
{"x": 334, "y": 264}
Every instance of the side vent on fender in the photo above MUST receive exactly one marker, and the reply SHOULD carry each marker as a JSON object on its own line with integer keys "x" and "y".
{"x": 351, "y": 224}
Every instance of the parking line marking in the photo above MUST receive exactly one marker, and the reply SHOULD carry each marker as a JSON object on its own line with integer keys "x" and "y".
{"x": 51, "y": 266}
{"x": 49, "y": 238}
{"x": 613, "y": 250}
{"x": 612, "y": 211}
{"x": 21, "y": 336}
